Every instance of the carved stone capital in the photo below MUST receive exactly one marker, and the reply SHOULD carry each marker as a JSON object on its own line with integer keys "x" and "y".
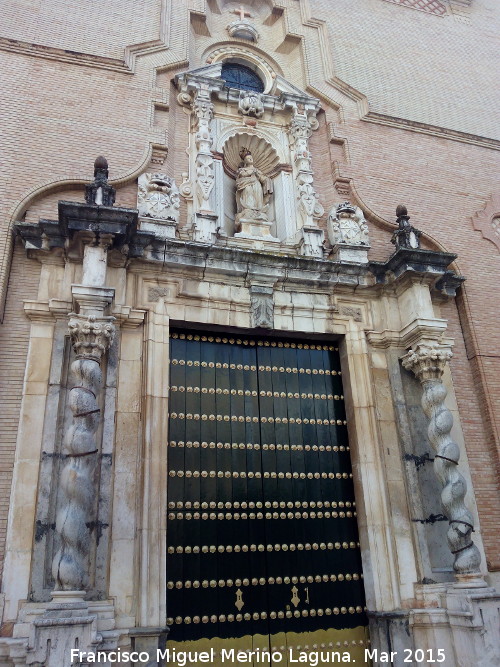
{"x": 427, "y": 361}
{"x": 91, "y": 337}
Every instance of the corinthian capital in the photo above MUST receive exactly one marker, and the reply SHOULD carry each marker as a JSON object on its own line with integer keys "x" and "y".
{"x": 427, "y": 360}
{"x": 91, "y": 337}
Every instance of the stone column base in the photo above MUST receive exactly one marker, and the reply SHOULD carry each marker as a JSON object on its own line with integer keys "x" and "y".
{"x": 45, "y": 633}
{"x": 345, "y": 252}
{"x": 205, "y": 227}
{"x": 255, "y": 229}
{"x": 150, "y": 641}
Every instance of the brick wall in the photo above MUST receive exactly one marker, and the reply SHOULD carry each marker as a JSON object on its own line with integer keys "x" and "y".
{"x": 58, "y": 116}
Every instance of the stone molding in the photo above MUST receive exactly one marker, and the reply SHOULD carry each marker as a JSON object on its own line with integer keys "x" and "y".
{"x": 420, "y": 328}
{"x": 46, "y": 311}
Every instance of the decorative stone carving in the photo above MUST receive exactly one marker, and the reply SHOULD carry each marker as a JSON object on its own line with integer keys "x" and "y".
{"x": 241, "y": 27}
{"x": 60, "y": 630}
{"x": 346, "y": 224}
{"x": 203, "y": 110}
{"x": 205, "y": 227}
{"x": 250, "y": 104}
{"x": 428, "y": 361}
{"x": 91, "y": 339}
{"x": 487, "y": 221}
{"x": 253, "y": 193}
{"x": 406, "y": 236}
{"x": 309, "y": 209}
{"x": 186, "y": 187}
{"x": 352, "y": 311}
{"x": 262, "y": 306}
{"x": 99, "y": 192}
{"x": 158, "y": 197}
{"x": 348, "y": 233}
{"x": 243, "y": 30}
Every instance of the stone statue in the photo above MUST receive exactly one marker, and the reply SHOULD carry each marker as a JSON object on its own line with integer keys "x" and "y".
{"x": 253, "y": 192}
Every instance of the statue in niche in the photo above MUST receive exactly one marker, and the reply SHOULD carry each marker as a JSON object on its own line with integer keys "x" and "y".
{"x": 253, "y": 192}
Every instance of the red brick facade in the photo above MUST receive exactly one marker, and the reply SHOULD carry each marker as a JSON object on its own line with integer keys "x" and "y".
{"x": 409, "y": 116}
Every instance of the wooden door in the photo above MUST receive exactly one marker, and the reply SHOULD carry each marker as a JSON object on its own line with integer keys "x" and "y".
{"x": 263, "y": 551}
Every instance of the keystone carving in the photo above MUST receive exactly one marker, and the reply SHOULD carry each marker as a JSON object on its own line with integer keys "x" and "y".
{"x": 262, "y": 307}
{"x": 250, "y": 104}
{"x": 428, "y": 361}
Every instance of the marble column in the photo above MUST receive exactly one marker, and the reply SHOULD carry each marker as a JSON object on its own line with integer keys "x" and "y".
{"x": 427, "y": 360}
{"x": 91, "y": 334}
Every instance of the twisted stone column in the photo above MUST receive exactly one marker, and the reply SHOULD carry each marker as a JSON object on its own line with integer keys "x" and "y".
{"x": 428, "y": 361}
{"x": 91, "y": 339}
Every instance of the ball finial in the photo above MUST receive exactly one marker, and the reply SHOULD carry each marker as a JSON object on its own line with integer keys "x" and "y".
{"x": 101, "y": 164}
{"x": 401, "y": 210}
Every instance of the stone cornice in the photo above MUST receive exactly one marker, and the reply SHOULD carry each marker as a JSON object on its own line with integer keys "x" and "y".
{"x": 46, "y": 311}
{"x": 434, "y": 130}
{"x": 281, "y": 264}
{"x": 127, "y": 317}
{"x": 62, "y": 55}
{"x": 411, "y": 334}
{"x": 422, "y": 265}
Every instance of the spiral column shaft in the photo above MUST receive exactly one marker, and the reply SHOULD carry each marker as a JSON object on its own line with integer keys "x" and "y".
{"x": 428, "y": 361}
{"x": 91, "y": 338}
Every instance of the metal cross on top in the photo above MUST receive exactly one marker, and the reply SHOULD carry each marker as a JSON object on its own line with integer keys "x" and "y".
{"x": 241, "y": 11}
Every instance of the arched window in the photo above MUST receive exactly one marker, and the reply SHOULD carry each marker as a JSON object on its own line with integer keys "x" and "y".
{"x": 241, "y": 76}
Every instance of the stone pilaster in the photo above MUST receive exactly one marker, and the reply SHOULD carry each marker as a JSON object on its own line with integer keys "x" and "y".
{"x": 309, "y": 210}
{"x": 428, "y": 361}
{"x": 203, "y": 111}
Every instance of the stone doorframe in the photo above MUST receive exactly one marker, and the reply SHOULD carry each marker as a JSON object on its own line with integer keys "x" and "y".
{"x": 376, "y": 540}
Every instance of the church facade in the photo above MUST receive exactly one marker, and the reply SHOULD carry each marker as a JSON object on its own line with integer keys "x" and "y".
{"x": 249, "y": 360}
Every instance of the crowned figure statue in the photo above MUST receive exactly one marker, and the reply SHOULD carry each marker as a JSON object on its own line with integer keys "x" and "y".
{"x": 253, "y": 192}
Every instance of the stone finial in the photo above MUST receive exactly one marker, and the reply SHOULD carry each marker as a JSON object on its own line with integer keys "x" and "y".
{"x": 100, "y": 193}
{"x": 101, "y": 166}
{"x": 406, "y": 236}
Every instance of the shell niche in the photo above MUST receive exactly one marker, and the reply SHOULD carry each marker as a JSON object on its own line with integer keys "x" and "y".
{"x": 264, "y": 155}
